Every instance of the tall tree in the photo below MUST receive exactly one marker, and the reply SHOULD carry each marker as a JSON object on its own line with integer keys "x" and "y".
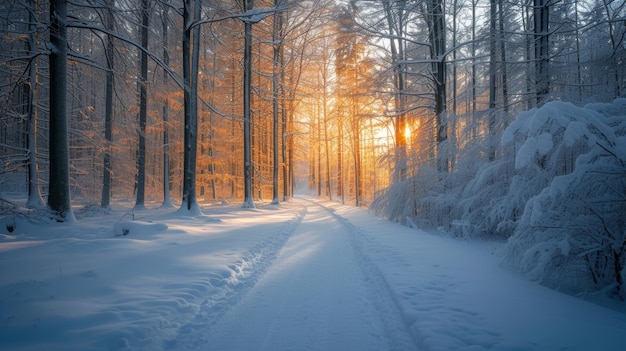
{"x": 59, "y": 181}
{"x": 143, "y": 105}
{"x": 491, "y": 124}
{"x": 437, "y": 41}
{"x": 615, "y": 13}
{"x": 474, "y": 81}
{"x": 349, "y": 64}
{"x": 191, "y": 54}
{"x": 326, "y": 73}
{"x": 34, "y": 194}
{"x": 248, "y": 202}
{"x": 211, "y": 132}
{"x": 503, "y": 58}
{"x": 277, "y": 40}
{"x": 167, "y": 201}
{"x": 345, "y": 53}
{"x": 541, "y": 12}
{"x": 395, "y": 13}
{"x": 283, "y": 132}
{"x": 108, "y": 108}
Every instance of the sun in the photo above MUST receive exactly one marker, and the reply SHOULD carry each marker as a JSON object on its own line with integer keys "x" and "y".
{"x": 407, "y": 133}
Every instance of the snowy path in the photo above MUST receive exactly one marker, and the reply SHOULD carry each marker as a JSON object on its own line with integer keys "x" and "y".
{"x": 304, "y": 275}
{"x": 317, "y": 295}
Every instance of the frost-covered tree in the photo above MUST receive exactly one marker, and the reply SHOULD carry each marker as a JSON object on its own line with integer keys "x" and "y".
{"x": 572, "y": 235}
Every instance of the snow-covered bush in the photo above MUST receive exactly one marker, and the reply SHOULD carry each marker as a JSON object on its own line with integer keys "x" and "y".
{"x": 483, "y": 203}
{"x": 572, "y": 235}
{"x": 399, "y": 203}
{"x": 557, "y": 192}
{"x": 558, "y": 188}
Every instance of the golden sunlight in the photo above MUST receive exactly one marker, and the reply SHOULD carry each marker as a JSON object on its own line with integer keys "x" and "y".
{"x": 383, "y": 136}
{"x": 407, "y": 133}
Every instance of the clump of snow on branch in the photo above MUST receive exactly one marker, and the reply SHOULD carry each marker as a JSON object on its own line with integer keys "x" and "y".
{"x": 256, "y": 15}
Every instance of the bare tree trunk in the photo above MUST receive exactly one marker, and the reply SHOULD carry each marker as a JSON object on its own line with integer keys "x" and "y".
{"x": 454, "y": 55}
{"x": 143, "y": 107}
{"x": 453, "y": 122}
{"x": 233, "y": 160}
{"x": 283, "y": 117}
{"x": 526, "y": 18}
{"x": 255, "y": 138}
{"x": 319, "y": 150}
{"x": 474, "y": 124}
{"x": 326, "y": 141}
{"x": 211, "y": 131}
{"x": 397, "y": 54}
{"x": 491, "y": 124}
{"x": 579, "y": 82}
{"x": 34, "y": 194}
{"x": 503, "y": 68}
{"x": 247, "y": 82}
{"x": 277, "y": 38}
{"x": 59, "y": 181}
{"x": 356, "y": 137}
{"x": 616, "y": 40}
{"x": 542, "y": 48}
{"x": 312, "y": 157}
{"x": 167, "y": 201}
{"x": 356, "y": 134}
{"x": 438, "y": 50}
{"x": 191, "y": 54}
{"x": 340, "y": 191}
{"x": 324, "y": 71}
{"x": 108, "y": 110}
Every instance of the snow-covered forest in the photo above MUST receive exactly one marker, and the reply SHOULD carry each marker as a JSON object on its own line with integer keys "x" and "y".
{"x": 492, "y": 121}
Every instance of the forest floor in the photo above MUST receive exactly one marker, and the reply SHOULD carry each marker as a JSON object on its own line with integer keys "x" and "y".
{"x": 302, "y": 275}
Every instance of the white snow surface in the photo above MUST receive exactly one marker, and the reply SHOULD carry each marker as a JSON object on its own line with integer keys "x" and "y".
{"x": 302, "y": 275}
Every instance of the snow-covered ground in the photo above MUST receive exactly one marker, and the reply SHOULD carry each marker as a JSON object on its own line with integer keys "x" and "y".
{"x": 304, "y": 275}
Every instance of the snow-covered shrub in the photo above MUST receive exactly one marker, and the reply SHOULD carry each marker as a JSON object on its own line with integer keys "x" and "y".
{"x": 474, "y": 191}
{"x": 437, "y": 211}
{"x": 572, "y": 235}
{"x": 483, "y": 204}
{"x": 399, "y": 203}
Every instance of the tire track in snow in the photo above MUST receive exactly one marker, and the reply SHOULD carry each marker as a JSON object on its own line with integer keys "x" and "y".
{"x": 321, "y": 293}
{"x": 225, "y": 288}
{"x": 396, "y": 327}
{"x": 423, "y": 296}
